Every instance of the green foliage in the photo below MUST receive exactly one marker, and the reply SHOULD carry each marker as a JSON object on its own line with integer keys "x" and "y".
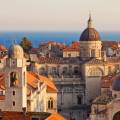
{"x": 26, "y": 44}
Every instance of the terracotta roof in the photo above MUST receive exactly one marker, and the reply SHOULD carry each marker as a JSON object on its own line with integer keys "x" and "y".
{"x": 2, "y": 97}
{"x": 108, "y": 80}
{"x": 34, "y": 50}
{"x": 32, "y": 80}
{"x": 54, "y": 43}
{"x": 2, "y": 48}
{"x": 110, "y": 43}
{"x": 8, "y": 115}
{"x": 51, "y": 86}
{"x": 55, "y": 116}
{"x": 94, "y": 61}
{"x": 75, "y": 46}
{"x": 113, "y": 60}
{"x": 51, "y": 60}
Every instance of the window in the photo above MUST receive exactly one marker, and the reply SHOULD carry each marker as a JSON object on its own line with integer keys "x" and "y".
{"x": 54, "y": 70}
{"x": 50, "y": 103}
{"x": 13, "y": 93}
{"x": 13, "y": 103}
{"x": 75, "y": 70}
{"x": 79, "y": 100}
{"x": 13, "y": 79}
{"x": 69, "y": 55}
{"x": 64, "y": 70}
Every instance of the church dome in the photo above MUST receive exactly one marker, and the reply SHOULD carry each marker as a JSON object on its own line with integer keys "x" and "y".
{"x": 116, "y": 84}
{"x": 16, "y": 51}
{"x": 90, "y": 33}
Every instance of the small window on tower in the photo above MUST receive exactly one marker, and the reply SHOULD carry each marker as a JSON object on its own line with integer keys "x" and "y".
{"x": 13, "y": 92}
{"x": 13, "y": 103}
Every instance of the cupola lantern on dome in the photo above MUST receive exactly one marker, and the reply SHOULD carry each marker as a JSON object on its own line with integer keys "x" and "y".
{"x": 90, "y": 33}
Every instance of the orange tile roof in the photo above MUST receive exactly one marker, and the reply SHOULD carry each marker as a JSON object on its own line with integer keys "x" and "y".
{"x": 55, "y": 116}
{"x": 10, "y": 115}
{"x": 33, "y": 76}
{"x": 34, "y": 50}
{"x": 108, "y": 80}
{"x": 2, "y": 48}
{"x": 2, "y": 97}
{"x": 32, "y": 80}
{"x": 15, "y": 116}
{"x": 75, "y": 46}
{"x": 51, "y": 60}
{"x": 110, "y": 43}
{"x": 56, "y": 43}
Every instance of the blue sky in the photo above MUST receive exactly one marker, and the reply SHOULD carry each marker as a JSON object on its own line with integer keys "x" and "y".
{"x": 58, "y": 15}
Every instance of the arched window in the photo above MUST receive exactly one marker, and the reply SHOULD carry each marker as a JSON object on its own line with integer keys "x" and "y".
{"x": 13, "y": 79}
{"x": 50, "y": 103}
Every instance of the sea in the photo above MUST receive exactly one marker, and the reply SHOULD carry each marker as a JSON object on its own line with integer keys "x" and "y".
{"x": 7, "y": 38}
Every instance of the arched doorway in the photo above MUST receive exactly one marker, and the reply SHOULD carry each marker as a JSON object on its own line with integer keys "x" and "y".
{"x": 116, "y": 116}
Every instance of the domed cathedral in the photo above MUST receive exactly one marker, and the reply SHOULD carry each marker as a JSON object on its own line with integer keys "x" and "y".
{"x": 90, "y": 42}
{"x": 15, "y": 79}
{"x": 94, "y": 64}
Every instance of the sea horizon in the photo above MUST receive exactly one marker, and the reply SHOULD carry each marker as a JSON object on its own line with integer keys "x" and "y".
{"x": 66, "y": 37}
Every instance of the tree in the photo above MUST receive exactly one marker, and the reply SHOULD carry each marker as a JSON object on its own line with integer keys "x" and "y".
{"x": 26, "y": 44}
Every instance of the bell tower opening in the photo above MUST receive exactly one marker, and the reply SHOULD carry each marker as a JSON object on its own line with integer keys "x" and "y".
{"x": 13, "y": 79}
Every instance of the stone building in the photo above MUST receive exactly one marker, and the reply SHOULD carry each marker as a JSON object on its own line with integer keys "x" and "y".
{"x": 72, "y": 50}
{"x": 107, "y": 105}
{"x": 25, "y": 90}
{"x": 51, "y": 49}
{"x": 78, "y": 78}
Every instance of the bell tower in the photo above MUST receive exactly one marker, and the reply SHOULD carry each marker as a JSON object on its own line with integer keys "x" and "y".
{"x": 15, "y": 80}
